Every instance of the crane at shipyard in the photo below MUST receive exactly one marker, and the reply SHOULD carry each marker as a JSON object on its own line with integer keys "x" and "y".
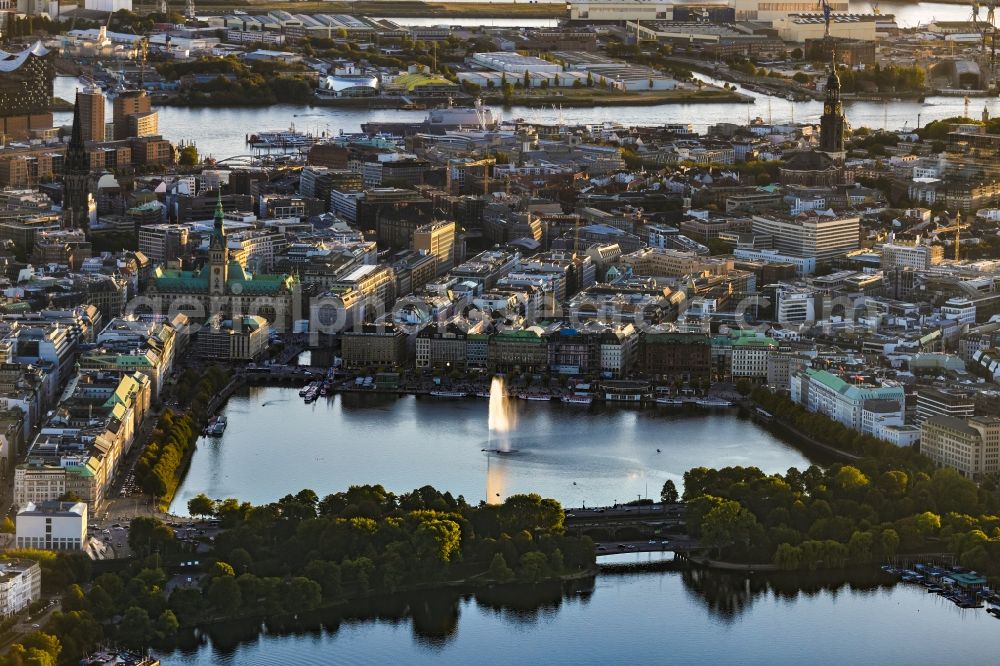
{"x": 988, "y": 32}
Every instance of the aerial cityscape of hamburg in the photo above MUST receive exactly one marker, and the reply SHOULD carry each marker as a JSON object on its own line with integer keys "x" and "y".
{"x": 499, "y": 332}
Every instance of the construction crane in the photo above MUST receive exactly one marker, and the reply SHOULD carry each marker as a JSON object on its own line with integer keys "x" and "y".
{"x": 988, "y": 35}
{"x": 143, "y": 55}
{"x": 826, "y": 18}
{"x": 991, "y": 34}
{"x": 956, "y": 226}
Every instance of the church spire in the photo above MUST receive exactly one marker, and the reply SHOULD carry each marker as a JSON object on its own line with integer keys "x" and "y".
{"x": 218, "y": 253}
{"x": 76, "y": 176}
{"x": 219, "y": 213}
{"x": 832, "y": 122}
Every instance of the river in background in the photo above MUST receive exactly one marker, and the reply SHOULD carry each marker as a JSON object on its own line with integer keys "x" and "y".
{"x": 689, "y": 617}
{"x": 276, "y": 444}
{"x": 908, "y": 14}
{"x": 221, "y": 132}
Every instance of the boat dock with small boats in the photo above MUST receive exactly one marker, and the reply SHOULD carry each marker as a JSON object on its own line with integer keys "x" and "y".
{"x": 966, "y": 589}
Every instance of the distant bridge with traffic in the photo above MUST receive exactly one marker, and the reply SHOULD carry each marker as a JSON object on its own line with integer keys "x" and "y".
{"x": 632, "y": 527}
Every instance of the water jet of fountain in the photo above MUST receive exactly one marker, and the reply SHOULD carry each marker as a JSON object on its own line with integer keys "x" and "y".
{"x": 500, "y": 423}
{"x": 501, "y": 417}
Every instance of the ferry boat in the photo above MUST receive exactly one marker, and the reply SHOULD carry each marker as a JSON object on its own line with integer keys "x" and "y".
{"x": 712, "y": 402}
{"x": 535, "y": 397}
{"x": 577, "y": 399}
{"x": 671, "y": 402}
{"x": 452, "y": 117}
{"x": 483, "y": 394}
{"x": 441, "y": 393}
{"x": 439, "y": 121}
{"x": 216, "y": 426}
{"x": 312, "y": 391}
{"x": 289, "y": 138}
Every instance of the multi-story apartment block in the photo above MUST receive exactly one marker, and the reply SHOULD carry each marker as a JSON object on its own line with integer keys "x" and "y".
{"x": 971, "y": 446}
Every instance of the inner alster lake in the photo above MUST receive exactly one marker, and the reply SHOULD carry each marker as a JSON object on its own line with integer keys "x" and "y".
{"x": 277, "y": 444}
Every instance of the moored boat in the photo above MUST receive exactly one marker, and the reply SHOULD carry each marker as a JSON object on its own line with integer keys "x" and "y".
{"x": 441, "y": 393}
{"x": 577, "y": 399}
{"x": 216, "y": 426}
{"x": 712, "y": 402}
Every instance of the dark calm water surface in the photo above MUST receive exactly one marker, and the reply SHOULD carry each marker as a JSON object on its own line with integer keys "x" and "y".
{"x": 690, "y": 617}
{"x": 276, "y": 444}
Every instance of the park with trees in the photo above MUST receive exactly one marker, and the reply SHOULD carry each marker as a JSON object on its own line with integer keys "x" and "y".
{"x": 843, "y": 515}
{"x": 299, "y": 554}
{"x": 887, "y": 501}
{"x": 165, "y": 458}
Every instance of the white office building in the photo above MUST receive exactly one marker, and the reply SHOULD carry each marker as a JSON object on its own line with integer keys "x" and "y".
{"x": 821, "y": 235}
{"x": 959, "y": 309}
{"x": 803, "y": 265}
{"x": 52, "y": 525}
{"x": 795, "y": 306}
{"x": 749, "y": 358}
{"x": 910, "y": 255}
{"x": 828, "y": 394}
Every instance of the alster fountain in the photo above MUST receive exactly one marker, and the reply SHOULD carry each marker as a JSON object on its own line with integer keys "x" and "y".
{"x": 502, "y": 419}
{"x": 501, "y": 422}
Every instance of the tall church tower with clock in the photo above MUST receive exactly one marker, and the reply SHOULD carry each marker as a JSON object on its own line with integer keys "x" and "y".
{"x": 218, "y": 254}
{"x": 832, "y": 123}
